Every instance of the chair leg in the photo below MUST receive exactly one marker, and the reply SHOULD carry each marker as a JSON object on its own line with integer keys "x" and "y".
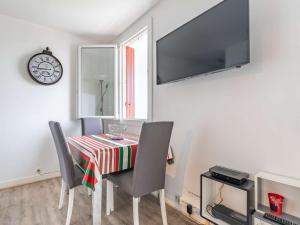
{"x": 62, "y": 194}
{"x": 135, "y": 211}
{"x": 108, "y": 198}
{"x": 70, "y": 206}
{"x": 163, "y": 206}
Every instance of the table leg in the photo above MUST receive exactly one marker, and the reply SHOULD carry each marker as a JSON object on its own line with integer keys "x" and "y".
{"x": 97, "y": 203}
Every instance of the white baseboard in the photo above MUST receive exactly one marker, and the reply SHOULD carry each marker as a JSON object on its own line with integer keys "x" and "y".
{"x": 182, "y": 209}
{"x": 28, "y": 180}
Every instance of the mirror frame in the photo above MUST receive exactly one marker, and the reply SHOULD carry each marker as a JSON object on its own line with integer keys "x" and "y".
{"x": 116, "y": 81}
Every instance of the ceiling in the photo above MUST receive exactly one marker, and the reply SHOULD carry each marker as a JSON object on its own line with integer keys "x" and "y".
{"x": 100, "y": 19}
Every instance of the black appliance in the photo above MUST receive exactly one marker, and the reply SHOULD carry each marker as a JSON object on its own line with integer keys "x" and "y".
{"x": 229, "y": 175}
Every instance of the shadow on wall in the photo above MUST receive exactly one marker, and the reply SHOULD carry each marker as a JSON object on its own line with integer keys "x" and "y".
{"x": 175, "y": 185}
{"x": 73, "y": 82}
{"x": 47, "y": 151}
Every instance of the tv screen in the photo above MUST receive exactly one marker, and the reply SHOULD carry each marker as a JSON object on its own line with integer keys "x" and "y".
{"x": 214, "y": 41}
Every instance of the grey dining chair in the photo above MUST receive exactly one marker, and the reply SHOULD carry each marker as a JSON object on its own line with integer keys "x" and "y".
{"x": 91, "y": 125}
{"x": 149, "y": 170}
{"x": 71, "y": 174}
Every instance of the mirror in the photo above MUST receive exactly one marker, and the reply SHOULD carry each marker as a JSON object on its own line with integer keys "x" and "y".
{"x": 97, "y": 75}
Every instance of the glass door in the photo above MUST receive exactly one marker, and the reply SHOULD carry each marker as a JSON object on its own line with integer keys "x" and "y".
{"x": 97, "y": 81}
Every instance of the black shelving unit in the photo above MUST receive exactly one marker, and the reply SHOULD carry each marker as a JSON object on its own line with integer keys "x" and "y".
{"x": 248, "y": 187}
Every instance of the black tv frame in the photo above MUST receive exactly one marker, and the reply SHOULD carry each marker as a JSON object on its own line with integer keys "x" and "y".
{"x": 238, "y": 66}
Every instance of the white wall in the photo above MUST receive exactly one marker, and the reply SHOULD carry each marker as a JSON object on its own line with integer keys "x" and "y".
{"x": 26, "y": 107}
{"x": 247, "y": 119}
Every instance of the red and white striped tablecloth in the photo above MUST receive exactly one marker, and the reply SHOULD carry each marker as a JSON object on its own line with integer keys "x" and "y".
{"x": 100, "y": 154}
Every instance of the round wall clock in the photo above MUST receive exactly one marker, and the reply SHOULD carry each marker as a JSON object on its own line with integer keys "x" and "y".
{"x": 45, "y": 68}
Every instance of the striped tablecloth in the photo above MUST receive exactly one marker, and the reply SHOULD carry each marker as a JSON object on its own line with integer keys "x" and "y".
{"x": 99, "y": 154}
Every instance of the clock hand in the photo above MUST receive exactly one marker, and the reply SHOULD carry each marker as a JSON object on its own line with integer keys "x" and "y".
{"x": 43, "y": 69}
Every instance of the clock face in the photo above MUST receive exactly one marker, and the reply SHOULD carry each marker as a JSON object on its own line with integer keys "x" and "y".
{"x": 45, "y": 69}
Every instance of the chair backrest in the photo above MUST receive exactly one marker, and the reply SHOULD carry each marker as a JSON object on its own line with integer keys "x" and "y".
{"x": 65, "y": 159}
{"x": 150, "y": 165}
{"x": 90, "y": 126}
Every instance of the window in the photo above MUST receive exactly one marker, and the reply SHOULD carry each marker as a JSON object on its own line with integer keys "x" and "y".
{"x": 134, "y": 77}
{"x": 116, "y": 87}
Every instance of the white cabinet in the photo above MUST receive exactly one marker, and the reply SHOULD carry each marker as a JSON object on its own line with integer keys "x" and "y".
{"x": 288, "y": 187}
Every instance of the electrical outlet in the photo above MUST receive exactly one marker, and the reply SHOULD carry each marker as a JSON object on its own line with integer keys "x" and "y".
{"x": 38, "y": 171}
{"x": 189, "y": 209}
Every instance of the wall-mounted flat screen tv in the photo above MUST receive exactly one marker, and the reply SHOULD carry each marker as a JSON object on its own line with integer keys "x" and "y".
{"x": 216, "y": 40}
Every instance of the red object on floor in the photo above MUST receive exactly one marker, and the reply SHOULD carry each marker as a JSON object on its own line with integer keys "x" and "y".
{"x": 276, "y": 203}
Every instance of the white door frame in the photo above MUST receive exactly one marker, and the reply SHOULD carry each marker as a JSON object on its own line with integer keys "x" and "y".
{"x": 132, "y": 34}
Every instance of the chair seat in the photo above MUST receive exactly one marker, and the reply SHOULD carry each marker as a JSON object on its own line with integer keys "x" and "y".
{"x": 123, "y": 179}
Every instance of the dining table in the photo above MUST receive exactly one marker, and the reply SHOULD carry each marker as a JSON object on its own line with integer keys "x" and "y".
{"x": 102, "y": 154}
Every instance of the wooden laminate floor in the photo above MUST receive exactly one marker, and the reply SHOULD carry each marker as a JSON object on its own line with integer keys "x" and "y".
{"x": 37, "y": 204}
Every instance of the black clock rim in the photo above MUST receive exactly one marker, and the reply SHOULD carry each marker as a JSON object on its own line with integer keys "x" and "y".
{"x": 33, "y": 78}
